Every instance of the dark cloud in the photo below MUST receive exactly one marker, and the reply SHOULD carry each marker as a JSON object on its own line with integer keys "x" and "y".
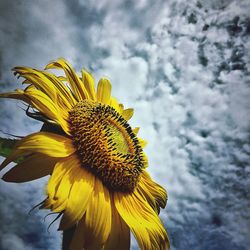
{"x": 21, "y": 230}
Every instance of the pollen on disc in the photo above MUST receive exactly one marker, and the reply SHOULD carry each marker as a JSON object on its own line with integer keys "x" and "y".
{"x": 106, "y": 145}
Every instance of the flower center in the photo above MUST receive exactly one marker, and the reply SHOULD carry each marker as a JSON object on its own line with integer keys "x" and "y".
{"x": 106, "y": 145}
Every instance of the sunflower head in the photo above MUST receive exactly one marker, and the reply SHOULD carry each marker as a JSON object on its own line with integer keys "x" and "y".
{"x": 99, "y": 183}
{"x": 106, "y": 145}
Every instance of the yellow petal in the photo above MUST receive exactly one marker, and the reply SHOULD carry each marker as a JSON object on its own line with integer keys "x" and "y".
{"x": 50, "y": 144}
{"x": 31, "y": 168}
{"x": 155, "y": 194}
{"x": 136, "y": 130}
{"x": 61, "y": 88}
{"x": 62, "y": 78}
{"x": 98, "y": 215}
{"x": 79, "y": 197}
{"x": 104, "y": 91}
{"x": 45, "y": 105}
{"x": 37, "y": 78}
{"x": 89, "y": 84}
{"x": 119, "y": 237}
{"x": 42, "y": 142}
{"x": 62, "y": 167}
{"x": 121, "y": 107}
{"x": 145, "y": 160}
{"x": 42, "y": 103}
{"x": 142, "y": 220}
{"x": 128, "y": 113}
{"x": 50, "y": 86}
{"x": 18, "y": 95}
{"x": 65, "y": 184}
{"x": 114, "y": 103}
{"x": 74, "y": 80}
{"x": 142, "y": 142}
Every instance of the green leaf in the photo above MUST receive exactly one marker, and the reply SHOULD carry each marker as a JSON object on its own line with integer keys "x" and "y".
{"x": 7, "y": 146}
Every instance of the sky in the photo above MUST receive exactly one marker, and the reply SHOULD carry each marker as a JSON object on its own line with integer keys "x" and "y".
{"x": 184, "y": 67}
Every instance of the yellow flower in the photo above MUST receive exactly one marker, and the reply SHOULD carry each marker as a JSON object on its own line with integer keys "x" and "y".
{"x": 99, "y": 181}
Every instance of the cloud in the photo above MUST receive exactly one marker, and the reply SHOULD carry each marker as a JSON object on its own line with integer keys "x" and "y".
{"x": 30, "y": 29}
{"x": 11, "y": 241}
{"x": 21, "y": 230}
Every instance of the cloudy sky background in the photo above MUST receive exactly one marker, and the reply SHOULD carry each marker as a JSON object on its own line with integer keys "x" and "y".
{"x": 184, "y": 67}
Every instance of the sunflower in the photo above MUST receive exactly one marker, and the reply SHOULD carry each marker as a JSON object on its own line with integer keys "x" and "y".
{"x": 98, "y": 183}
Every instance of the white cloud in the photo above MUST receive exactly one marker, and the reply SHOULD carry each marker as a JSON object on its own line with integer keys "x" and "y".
{"x": 125, "y": 74}
{"x": 10, "y": 241}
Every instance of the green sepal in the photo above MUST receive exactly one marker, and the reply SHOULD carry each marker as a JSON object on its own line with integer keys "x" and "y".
{"x": 7, "y": 146}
